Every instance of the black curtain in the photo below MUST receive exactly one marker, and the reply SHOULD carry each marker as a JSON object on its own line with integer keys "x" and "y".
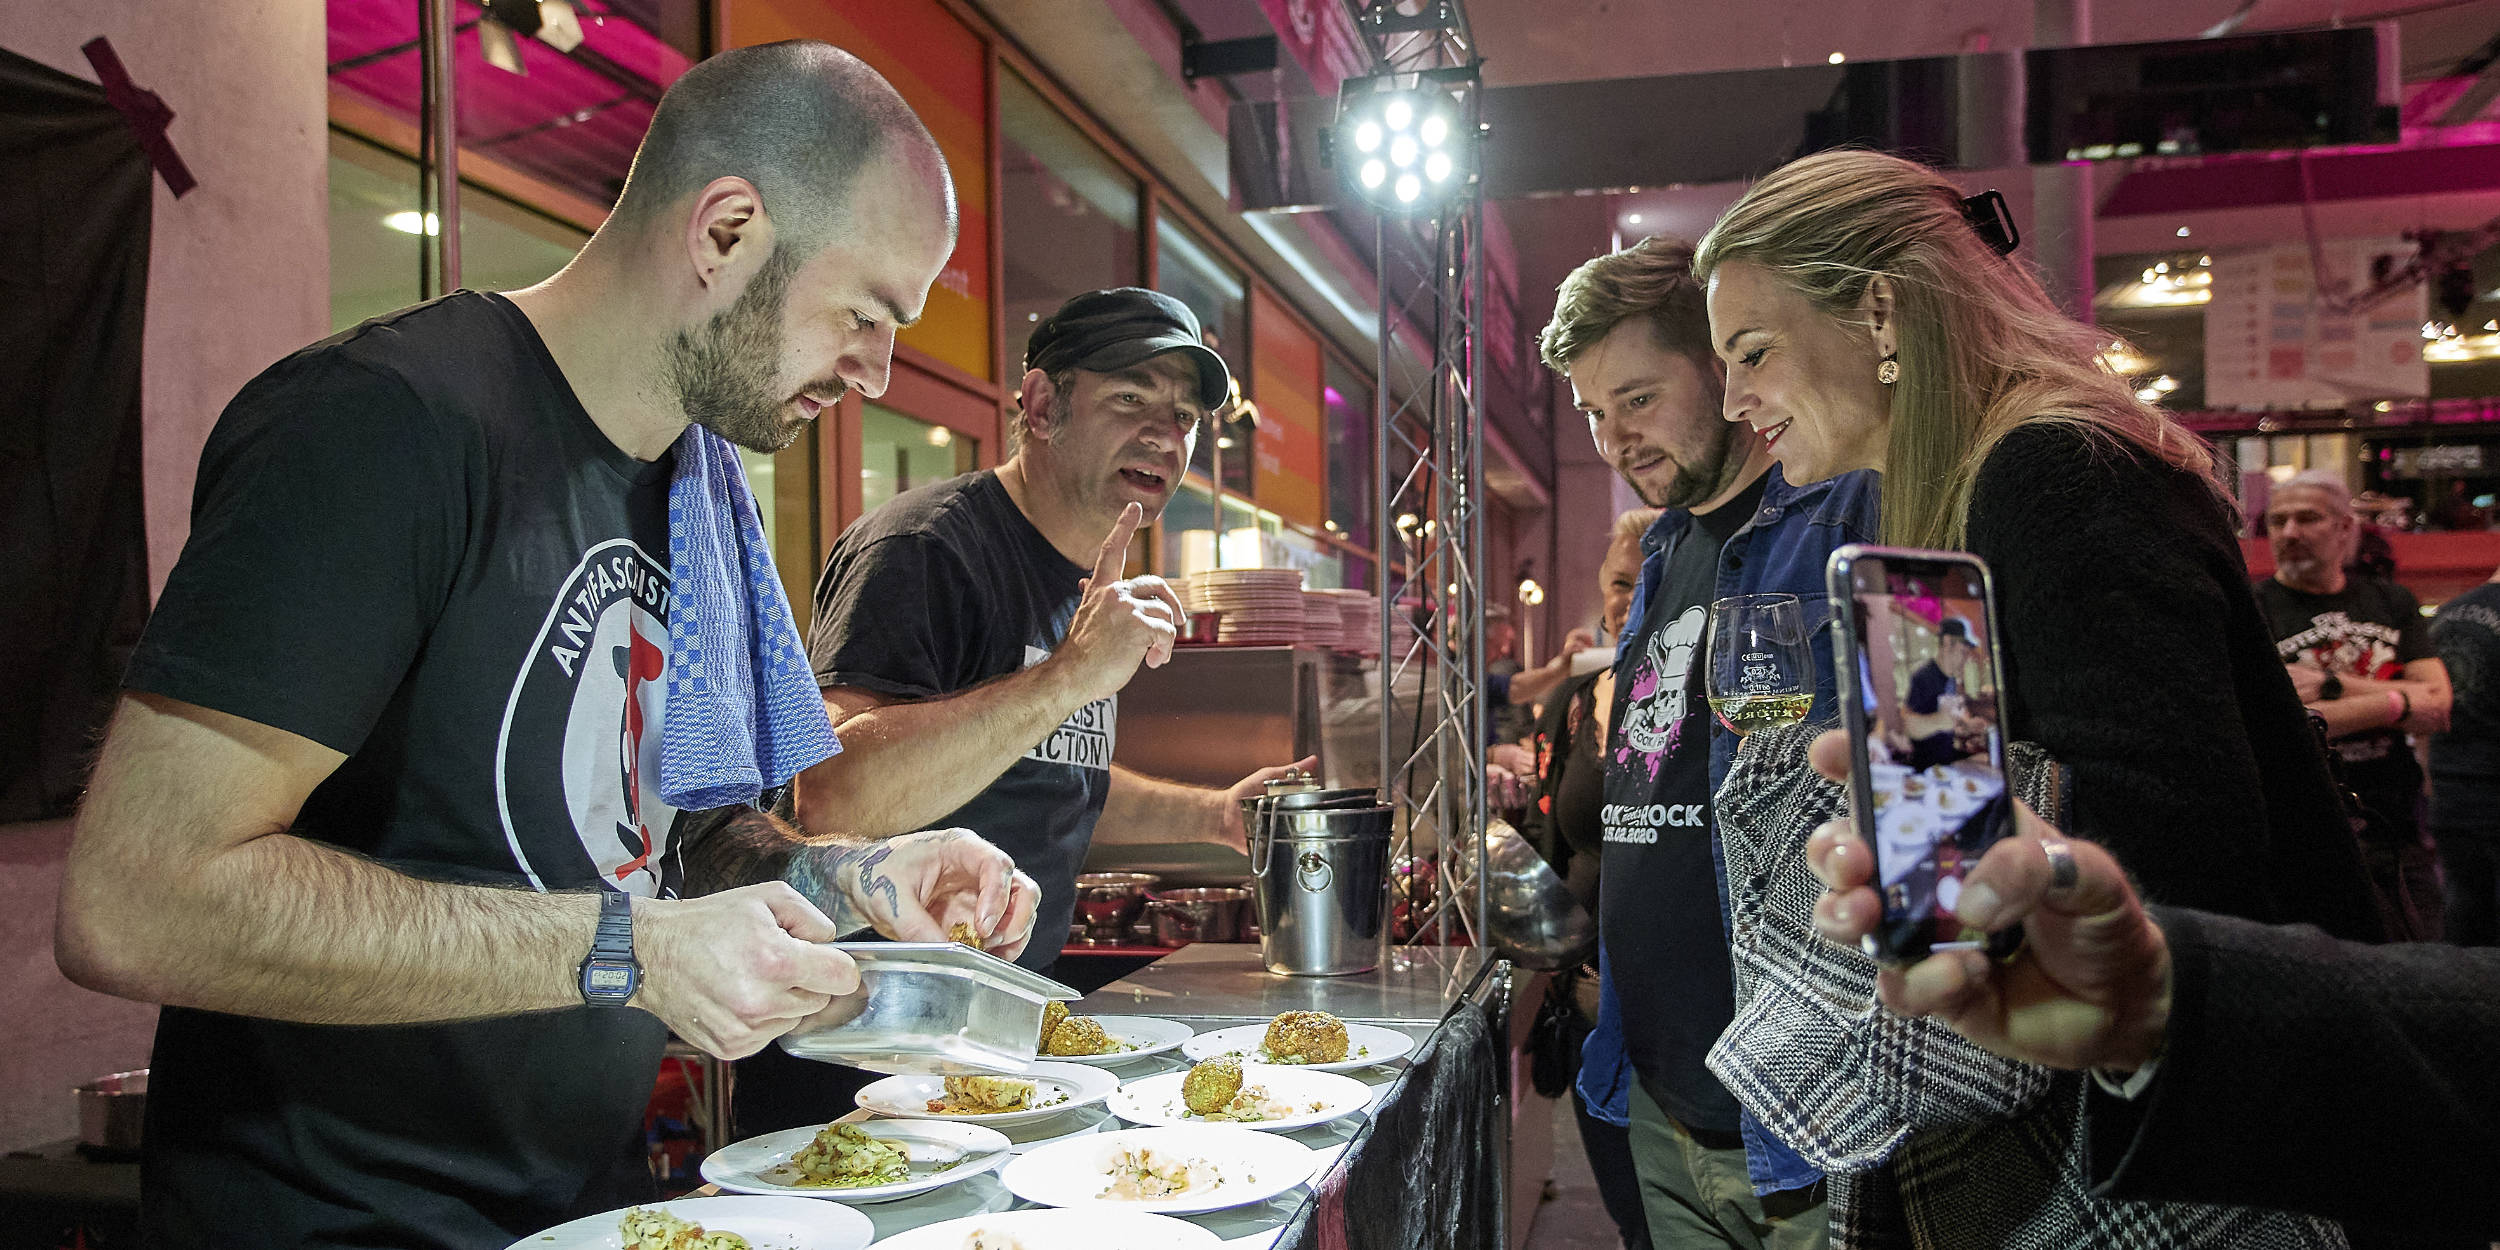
{"x": 73, "y": 543}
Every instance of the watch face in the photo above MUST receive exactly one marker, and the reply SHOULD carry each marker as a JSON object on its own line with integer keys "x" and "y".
{"x": 606, "y": 978}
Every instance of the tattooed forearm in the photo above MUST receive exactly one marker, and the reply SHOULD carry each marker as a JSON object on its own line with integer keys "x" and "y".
{"x": 746, "y": 846}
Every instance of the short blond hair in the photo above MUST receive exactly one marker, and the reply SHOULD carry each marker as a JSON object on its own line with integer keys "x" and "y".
{"x": 1634, "y": 522}
{"x": 1652, "y": 278}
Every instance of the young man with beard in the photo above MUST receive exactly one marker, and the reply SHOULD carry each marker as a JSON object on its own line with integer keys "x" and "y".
{"x": 1631, "y": 333}
{"x": 2360, "y": 654}
{"x": 381, "y": 784}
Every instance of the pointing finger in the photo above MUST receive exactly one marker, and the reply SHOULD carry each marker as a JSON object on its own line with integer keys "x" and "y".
{"x": 1114, "y": 557}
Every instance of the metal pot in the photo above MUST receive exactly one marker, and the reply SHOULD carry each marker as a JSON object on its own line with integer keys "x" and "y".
{"x": 1200, "y": 915}
{"x": 1319, "y": 860}
{"x": 113, "y": 1112}
{"x": 1108, "y": 901}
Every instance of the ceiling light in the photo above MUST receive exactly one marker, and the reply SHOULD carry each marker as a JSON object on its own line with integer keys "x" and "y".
{"x": 940, "y": 436}
{"x": 1436, "y": 130}
{"x": 1367, "y": 136}
{"x": 2183, "y": 232}
{"x": 1437, "y": 167}
{"x": 1374, "y": 173}
{"x": 1631, "y": 219}
{"x": 406, "y": 222}
{"x": 1399, "y": 114}
{"x": 1403, "y": 151}
{"x": 1837, "y": 57}
{"x": 1409, "y": 187}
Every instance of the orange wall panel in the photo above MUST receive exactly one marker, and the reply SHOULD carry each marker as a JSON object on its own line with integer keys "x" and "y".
{"x": 1285, "y": 379}
{"x": 942, "y": 68}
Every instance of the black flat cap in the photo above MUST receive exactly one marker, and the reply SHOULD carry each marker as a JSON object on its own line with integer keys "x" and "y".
{"x": 1106, "y": 331}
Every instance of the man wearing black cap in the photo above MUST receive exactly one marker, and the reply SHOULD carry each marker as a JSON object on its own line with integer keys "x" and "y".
{"x": 971, "y": 635}
{"x": 1932, "y": 706}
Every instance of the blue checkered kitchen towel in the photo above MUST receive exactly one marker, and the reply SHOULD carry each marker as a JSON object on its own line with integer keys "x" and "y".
{"x": 743, "y": 712}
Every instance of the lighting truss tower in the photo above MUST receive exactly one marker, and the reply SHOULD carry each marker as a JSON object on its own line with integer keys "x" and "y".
{"x": 1428, "y": 456}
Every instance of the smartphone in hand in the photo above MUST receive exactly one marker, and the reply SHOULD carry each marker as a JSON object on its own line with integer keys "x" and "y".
{"x": 1921, "y": 692}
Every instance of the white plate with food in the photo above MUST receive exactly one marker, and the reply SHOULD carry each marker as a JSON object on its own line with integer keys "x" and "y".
{"x": 1169, "y": 1171}
{"x": 741, "y": 1223}
{"x": 1303, "y": 1039}
{"x": 1044, "y": 1089}
{"x": 1251, "y": 1095}
{"x": 1054, "y": 1229}
{"x": 1113, "y": 1039}
{"x": 871, "y": 1162}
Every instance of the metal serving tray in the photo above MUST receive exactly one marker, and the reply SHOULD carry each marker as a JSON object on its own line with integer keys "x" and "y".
{"x": 933, "y": 1007}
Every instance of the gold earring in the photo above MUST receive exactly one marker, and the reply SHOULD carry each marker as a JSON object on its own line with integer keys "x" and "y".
{"x": 1888, "y": 372}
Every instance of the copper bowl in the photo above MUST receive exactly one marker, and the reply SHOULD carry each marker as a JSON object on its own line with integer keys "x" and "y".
{"x": 1202, "y": 628}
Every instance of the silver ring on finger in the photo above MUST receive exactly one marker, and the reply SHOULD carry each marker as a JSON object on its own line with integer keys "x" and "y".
{"x": 2063, "y": 871}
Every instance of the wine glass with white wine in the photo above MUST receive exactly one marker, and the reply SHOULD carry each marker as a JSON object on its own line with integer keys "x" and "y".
{"x": 1761, "y": 670}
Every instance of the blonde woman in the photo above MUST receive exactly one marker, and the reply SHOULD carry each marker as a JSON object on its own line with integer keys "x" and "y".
{"x": 1867, "y": 323}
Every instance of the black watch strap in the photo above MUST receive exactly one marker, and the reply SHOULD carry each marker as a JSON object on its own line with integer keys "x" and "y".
{"x": 2332, "y": 687}
{"x": 610, "y": 973}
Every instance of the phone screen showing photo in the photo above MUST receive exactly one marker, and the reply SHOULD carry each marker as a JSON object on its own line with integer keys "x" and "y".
{"x": 1935, "y": 758}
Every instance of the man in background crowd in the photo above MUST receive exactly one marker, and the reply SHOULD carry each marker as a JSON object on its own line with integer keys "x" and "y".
{"x": 2360, "y": 655}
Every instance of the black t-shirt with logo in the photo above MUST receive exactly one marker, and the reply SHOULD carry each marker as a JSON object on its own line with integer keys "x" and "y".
{"x": 410, "y": 544}
{"x": 2371, "y": 628}
{"x": 1659, "y": 909}
{"x": 943, "y": 588}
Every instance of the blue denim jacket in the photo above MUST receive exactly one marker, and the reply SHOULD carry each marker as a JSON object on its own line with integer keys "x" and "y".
{"x": 1783, "y": 548}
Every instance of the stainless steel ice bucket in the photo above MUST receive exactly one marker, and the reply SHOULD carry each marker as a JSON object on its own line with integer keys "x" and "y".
{"x": 1319, "y": 862}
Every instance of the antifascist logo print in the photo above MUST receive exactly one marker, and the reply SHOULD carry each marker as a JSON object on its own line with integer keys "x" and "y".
{"x": 577, "y": 769}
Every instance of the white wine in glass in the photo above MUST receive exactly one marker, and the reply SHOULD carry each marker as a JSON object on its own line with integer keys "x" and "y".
{"x": 1761, "y": 670}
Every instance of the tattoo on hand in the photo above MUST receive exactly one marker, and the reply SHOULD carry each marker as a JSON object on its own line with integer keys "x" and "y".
{"x": 873, "y": 882}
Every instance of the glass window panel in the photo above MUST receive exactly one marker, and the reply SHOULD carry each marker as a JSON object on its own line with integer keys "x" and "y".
{"x": 571, "y": 120}
{"x": 1319, "y": 562}
{"x": 373, "y": 247}
{"x": 1189, "y": 531}
{"x": 1187, "y": 271}
{"x": 1068, "y": 210}
{"x": 1348, "y": 394}
{"x": 897, "y": 453}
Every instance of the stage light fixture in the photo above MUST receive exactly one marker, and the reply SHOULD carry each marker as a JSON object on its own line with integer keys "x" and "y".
{"x": 1405, "y": 143}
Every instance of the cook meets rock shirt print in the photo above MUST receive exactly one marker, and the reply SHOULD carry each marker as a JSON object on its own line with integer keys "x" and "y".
{"x": 578, "y": 763}
{"x": 1656, "y": 701}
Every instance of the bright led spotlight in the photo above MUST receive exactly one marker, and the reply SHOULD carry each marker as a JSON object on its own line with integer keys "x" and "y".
{"x": 1405, "y": 143}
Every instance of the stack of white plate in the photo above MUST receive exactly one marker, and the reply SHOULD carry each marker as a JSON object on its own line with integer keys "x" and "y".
{"x": 1259, "y": 605}
{"x": 1358, "y": 620}
{"x": 1322, "y": 624}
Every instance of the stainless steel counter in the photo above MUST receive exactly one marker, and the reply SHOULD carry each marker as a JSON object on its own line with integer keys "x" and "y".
{"x": 1224, "y": 981}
